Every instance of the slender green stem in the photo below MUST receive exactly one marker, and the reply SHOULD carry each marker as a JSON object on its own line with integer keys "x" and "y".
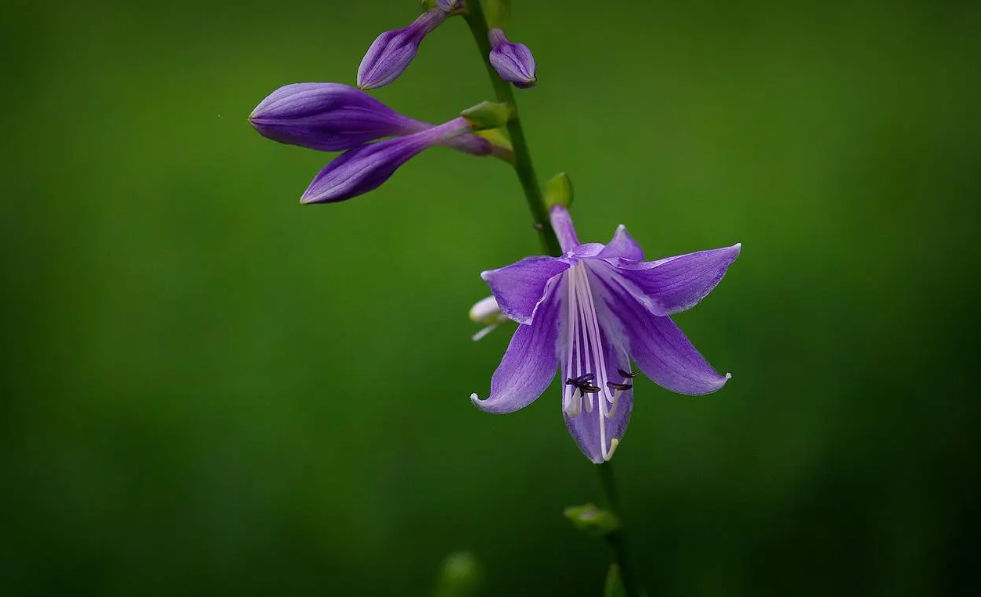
{"x": 522, "y": 157}
{"x": 616, "y": 539}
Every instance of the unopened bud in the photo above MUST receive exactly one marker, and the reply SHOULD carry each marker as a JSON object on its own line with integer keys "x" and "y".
{"x": 392, "y": 51}
{"x": 513, "y": 62}
{"x": 489, "y": 313}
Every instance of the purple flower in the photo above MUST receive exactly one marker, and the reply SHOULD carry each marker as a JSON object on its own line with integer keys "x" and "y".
{"x": 327, "y": 117}
{"x": 335, "y": 117}
{"x": 364, "y": 169}
{"x": 513, "y": 62}
{"x": 590, "y": 312}
{"x": 392, "y": 51}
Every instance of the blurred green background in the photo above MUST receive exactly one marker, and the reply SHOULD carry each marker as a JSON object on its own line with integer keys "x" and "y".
{"x": 208, "y": 389}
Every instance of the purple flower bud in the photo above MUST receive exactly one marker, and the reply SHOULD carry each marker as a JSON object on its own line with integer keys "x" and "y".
{"x": 392, "y": 51}
{"x": 335, "y": 117}
{"x": 513, "y": 62}
{"x": 327, "y": 117}
{"x": 357, "y": 171}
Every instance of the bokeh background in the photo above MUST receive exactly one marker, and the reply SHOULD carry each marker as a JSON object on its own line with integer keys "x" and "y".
{"x": 208, "y": 389}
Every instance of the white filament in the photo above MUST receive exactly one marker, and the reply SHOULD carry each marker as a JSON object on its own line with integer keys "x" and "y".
{"x": 585, "y": 340}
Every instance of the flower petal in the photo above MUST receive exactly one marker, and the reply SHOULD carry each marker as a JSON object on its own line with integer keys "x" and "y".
{"x": 677, "y": 283}
{"x": 520, "y": 287}
{"x": 660, "y": 349}
{"x": 623, "y": 245}
{"x": 585, "y": 426}
{"x": 529, "y": 363}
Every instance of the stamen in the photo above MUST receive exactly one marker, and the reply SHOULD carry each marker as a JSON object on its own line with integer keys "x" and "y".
{"x": 622, "y": 387}
{"x": 616, "y": 402}
{"x": 627, "y": 374}
{"x": 614, "y": 442}
{"x": 575, "y": 404}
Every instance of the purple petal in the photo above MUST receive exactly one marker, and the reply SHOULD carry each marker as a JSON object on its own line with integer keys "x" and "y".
{"x": 677, "y": 283}
{"x": 513, "y": 62}
{"x": 585, "y": 426}
{"x": 327, "y": 117}
{"x": 520, "y": 287}
{"x": 623, "y": 246}
{"x": 659, "y": 347}
{"x": 364, "y": 169}
{"x": 392, "y": 51}
{"x": 528, "y": 365}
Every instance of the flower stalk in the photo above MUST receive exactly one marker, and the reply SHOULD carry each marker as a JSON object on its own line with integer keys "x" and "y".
{"x": 523, "y": 166}
{"x": 525, "y": 170}
{"x": 615, "y": 539}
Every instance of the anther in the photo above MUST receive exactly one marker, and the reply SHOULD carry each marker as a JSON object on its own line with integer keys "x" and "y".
{"x": 627, "y": 374}
{"x": 622, "y": 387}
{"x": 582, "y": 383}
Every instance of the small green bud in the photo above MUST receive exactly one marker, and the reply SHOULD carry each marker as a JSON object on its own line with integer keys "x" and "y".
{"x": 460, "y": 576}
{"x": 558, "y": 191}
{"x": 498, "y": 14}
{"x": 488, "y": 115}
{"x": 593, "y": 520}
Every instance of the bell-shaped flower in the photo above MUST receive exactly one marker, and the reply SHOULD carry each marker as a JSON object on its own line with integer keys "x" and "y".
{"x": 336, "y": 117}
{"x": 392, "y": 51}
{"x": 589, "y": 313}
{"x": 513, "y": 62}
{"x": 357, "y": 171}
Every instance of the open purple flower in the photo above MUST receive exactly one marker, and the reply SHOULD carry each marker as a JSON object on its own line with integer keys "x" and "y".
{"x": 392, "y": 51}
{"x": 589, "y": 313}
{"x": 357, "y": 171}
{"x": 336, "y": 117}
{"x": 513, "y": 62}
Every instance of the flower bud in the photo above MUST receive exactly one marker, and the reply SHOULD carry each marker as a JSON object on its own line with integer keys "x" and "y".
{"x": 327, "y": 117}
{"x": 488, "y": 312}
{"x": 513, "y": 62}
{"x": 357, "y": 171}
{"x": 392, "y": 51}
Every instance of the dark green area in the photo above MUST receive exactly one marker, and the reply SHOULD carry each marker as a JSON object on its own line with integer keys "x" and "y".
{"x": 207, "y": 389}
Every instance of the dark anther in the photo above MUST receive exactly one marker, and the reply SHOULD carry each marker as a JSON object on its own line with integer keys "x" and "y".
{"x": 583, "y": 383}
{"x": 623, "y": 387}
{"x": 627, "y": 374}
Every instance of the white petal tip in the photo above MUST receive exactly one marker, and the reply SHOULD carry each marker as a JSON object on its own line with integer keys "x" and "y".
{"x": 728, "y": 376}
